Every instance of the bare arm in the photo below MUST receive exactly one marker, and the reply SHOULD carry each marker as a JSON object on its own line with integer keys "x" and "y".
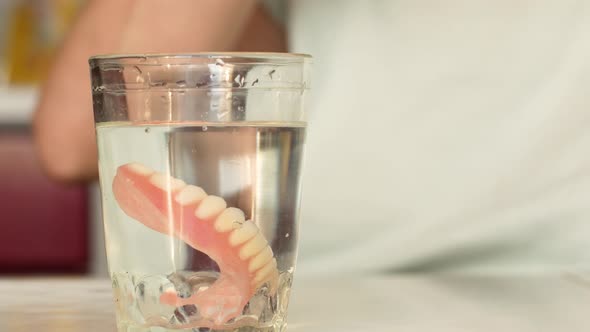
{"x": 63, "y": 123}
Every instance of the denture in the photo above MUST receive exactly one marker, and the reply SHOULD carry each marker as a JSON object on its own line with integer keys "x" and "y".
{"x": 170, "y": 206}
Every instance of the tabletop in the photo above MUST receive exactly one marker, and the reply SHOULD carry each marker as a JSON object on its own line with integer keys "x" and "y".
{"x": 399, "y": 303}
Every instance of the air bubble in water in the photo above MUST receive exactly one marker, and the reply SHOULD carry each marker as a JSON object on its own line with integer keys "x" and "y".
{"x": 158, "y": 83}
{"x": 123, "y": 289}
{"x": 181, "y": 285}
{"x": 185, "y": 313}
{"x": 222, "y": 114}
{"x": 256, "y": 305}
{"x": 147, "y": 292}
{"x": 303, "y": 87}
{"x": 239, "y": 80}
{"x": 201, "y": 329}
{"x": 204, "y": 128}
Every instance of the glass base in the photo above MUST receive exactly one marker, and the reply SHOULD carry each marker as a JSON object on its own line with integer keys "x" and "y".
{"x": 282, "y": 327}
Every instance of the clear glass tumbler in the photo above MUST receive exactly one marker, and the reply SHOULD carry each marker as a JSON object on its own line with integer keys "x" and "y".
{"x": 200, "y": 160}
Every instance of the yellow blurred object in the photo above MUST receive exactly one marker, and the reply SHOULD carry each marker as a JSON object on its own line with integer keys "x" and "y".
{"x": 35, "y": 30}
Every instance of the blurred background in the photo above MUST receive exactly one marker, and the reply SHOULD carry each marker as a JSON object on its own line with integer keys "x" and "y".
{"x": 510, "y": 198}
{"x": 47, "y": 228}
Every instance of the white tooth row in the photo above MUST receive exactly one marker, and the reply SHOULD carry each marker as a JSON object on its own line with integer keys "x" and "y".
{"x": 265, "y": 272}
{"x": 210, "y": 207}
{"x": 231, "y": 218}
{"x": 246, "y": 233}
{"x": 166, "y": 182}
{"x": 228, "y": 219}
{"x": 243, "y": 234}
{"x": 140, "y": 169}
{"x": 261, "y": 259}
{"x": 190, "y": 195}
{"x": 253, "y": 246}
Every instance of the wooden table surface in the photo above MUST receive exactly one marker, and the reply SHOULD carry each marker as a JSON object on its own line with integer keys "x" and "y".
{"x": 397, "y": 304}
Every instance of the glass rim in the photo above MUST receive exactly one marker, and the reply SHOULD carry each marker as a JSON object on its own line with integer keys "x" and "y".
{"x": 199, "y": 56}
{"x": 202, "y": 70}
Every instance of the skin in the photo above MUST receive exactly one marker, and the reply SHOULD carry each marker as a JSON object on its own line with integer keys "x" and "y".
{"x": 63, "y": 122}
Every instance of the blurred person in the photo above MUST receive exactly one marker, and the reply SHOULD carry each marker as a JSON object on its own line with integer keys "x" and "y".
{"x": 455, "y": 132}
{"x": 63, "y": 122}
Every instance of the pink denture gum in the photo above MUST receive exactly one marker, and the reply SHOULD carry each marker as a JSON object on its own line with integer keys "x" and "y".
{"x": 170, "y": 206}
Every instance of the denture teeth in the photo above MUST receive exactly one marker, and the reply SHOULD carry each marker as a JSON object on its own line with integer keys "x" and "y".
{"x": 140, "y": 169}
{"x": 247, "y": 231}
{"x": 253, "y": 247}
{"x": 229, "y": 219}
{"x": 264, "y": 272}
{"x": 210, "y": 207}
{"x": 260, "y": 260}
{"x": 190, "y": 195}
{"x": 166, "y": 183}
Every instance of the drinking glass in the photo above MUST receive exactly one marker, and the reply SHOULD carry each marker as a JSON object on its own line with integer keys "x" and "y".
{"x": 200, "y": 160}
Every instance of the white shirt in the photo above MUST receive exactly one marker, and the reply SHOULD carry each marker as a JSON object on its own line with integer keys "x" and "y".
{"x": 447, "y": 136}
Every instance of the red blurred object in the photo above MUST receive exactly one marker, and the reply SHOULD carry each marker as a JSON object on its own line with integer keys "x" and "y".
{"x": 44, "y": 226}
